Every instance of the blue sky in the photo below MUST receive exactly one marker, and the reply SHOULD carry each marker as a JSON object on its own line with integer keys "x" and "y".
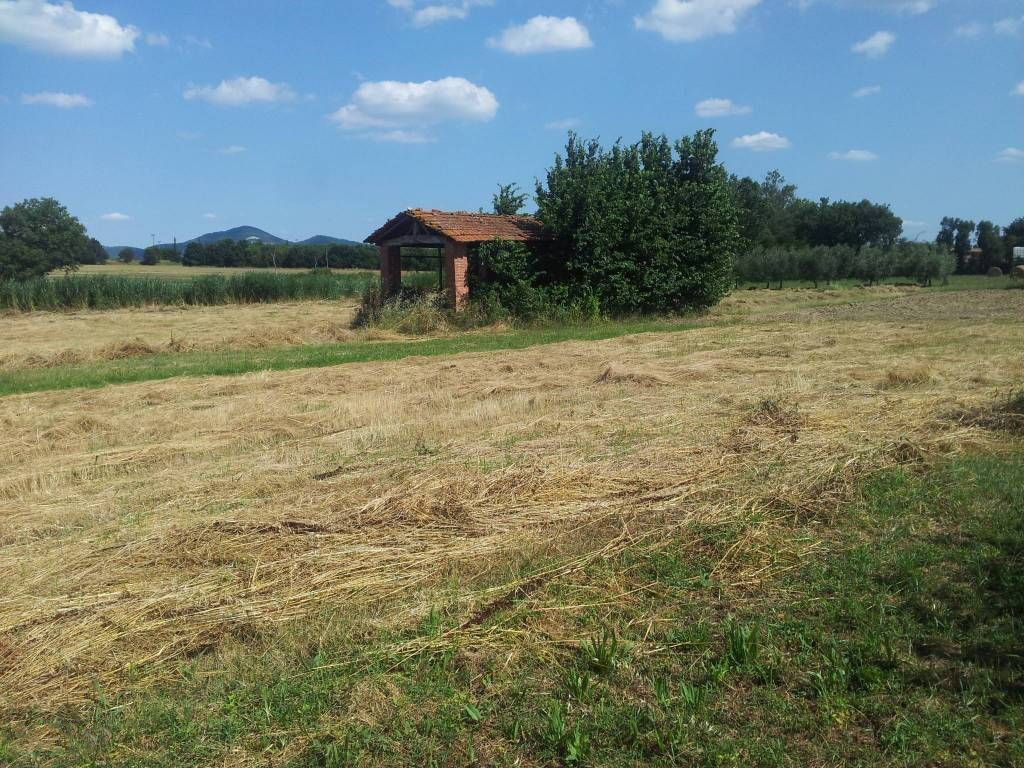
{"x": 308, "y": 117}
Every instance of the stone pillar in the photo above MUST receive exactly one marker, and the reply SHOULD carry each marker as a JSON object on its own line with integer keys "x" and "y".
{"x": 390, "y": 269}
{"x": 456, "y": 258}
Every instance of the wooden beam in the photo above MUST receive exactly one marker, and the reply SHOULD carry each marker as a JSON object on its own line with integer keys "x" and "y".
{"x": 413, "y": 240}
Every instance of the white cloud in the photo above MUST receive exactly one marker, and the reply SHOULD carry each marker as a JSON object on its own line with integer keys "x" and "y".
{"x": 154, "y": 38}
{"x": 115, "y": 216}
{"x": 61, "y": 29}
{"x": 399, "y": 136}
{"x": 970, "y": 30}
{"x": 912, "y": 7}
{"x": 198, "y": 42}
{"x": 541, "y": 34}
{"x": 688, "y": 20}
{"x": 388, "y": 110}
{"x": 232, "y": 149}
{"x": 241, "y": 91}
{"x": 762, "y": 141}
{"x": 565, "y": 124}
{"x": 1009, "y": 26}
{"x": 875, "y": 46}
{"x": 854, "y": 156}
{"x": 210, "y": 216}
{"x": 433, "y": 13}
{"x": 719, "y": 108}
{"x": 57, "y": 99}
{"x": 1019, "y": 90}
{"x": 1011, "y": 155}
{"x": 867, "y": 90}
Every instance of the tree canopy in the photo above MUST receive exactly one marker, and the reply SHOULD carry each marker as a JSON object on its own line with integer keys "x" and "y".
{"x": 509, "y": 199}
{"x": 646, "y": 227}
{"x": 37, "y": 236}
{"x": 771, "y": 214}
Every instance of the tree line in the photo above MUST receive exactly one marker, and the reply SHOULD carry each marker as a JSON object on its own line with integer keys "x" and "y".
{"x": 979, "y": 248}
{"x": 229, "y": 253}
{"x": 922, "y": 262}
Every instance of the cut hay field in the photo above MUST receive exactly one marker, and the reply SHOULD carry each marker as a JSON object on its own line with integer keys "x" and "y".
{"x": 49, "y": 339}
{"x": 789, "y": 536}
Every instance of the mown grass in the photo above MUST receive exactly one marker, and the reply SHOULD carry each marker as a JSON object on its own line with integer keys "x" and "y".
{"x": 887, "y": 632}
{"x": 247, "y": 360}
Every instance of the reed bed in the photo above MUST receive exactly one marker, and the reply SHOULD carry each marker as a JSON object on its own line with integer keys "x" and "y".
{"x": 77, "y": 292}
{"x": 148, "y": 522}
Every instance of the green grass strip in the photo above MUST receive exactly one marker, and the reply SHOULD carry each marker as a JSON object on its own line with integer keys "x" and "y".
{"x": 232, "y": 362}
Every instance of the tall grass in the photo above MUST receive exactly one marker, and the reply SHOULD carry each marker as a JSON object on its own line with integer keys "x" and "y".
{"x": 111, "y": 291}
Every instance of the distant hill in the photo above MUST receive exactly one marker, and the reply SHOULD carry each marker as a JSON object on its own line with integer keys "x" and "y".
{"x": 327, "y": 240}
{"x": 237, "y": 234}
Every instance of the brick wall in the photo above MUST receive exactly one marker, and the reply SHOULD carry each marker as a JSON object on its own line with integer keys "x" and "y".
{"x": 456, "y": 257}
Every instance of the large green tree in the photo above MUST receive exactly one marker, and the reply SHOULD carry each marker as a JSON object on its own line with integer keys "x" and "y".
{"x": 955, "y": 233}
{"x": 39, "y": 235}
{"x": 647, "y": 227}
{"x": 990, "y": 241}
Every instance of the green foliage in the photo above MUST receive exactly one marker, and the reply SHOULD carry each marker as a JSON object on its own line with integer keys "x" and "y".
{"x": 152, "y": 255}
{"x": 126, "y": 256}
{"x": 93, "y": 253}
{"x": 990, "y": 241}
{"x": 955, "y": 235}
{"x": 231, "y": 253}
{"x": 648, "y": 227}
{"x": 603, "y": 652}
{"x": 37, "y": 236}
{"x": 570, "y": 744}
{"x": 742, "y": 643}
{"x": 772, "y": 215}
{"x": 872, "y": 265}
{"x": 111, "y": 291}
{"x": 509, "y": 200}
{"x": 776, "y": 264}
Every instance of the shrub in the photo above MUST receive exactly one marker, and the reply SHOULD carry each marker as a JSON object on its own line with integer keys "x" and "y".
{"x": 411, "y": 312}
{"x": 649, "y": 227}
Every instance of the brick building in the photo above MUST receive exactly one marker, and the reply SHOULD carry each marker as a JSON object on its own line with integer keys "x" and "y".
{"x": 454, "y": 235}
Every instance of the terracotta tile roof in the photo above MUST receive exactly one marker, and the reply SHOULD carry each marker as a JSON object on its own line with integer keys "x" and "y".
{"x": 465, "y": 227}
